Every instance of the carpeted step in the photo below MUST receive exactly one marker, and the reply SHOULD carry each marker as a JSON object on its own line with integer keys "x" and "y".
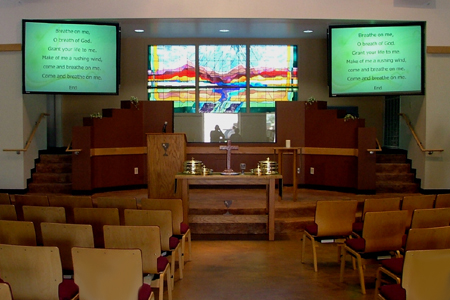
{"x": 50, "y": 188}
{"x": 55, "y": 158}
{"x": 402, "y": 177}
{"x": 397, "y": 187}
{"x": 391, "y": 158}
{"x": 52, "y": 177}
{"x": 393, "y": 168}
{"x": 54, "y": 168}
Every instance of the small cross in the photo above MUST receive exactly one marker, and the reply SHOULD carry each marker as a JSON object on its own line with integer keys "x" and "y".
{"x": 228, "y": 147}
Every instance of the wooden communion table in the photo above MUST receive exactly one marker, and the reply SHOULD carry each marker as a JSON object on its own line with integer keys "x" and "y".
{"x": 185, "y": 181}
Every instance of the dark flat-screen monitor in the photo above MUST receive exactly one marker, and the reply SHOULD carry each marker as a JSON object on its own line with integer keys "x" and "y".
{"x": 369, "y": 60}
{"x": 64, "y": 57}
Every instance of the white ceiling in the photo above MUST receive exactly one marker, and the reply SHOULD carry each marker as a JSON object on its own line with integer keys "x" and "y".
{"x": 238, "y": 28}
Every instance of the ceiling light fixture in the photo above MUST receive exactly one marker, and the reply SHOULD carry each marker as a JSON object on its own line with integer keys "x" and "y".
{"x": 139, "y": 30}
{"x": 308, "y": 31}
{"x": 224, "y": 30}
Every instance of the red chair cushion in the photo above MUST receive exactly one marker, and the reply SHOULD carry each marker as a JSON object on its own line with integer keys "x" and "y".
{"x": 393, "y": 292}
{"x": 358, "y": 227}
{"x": 183, "y": 228}
{"x": 67, "y": 289}
{"x": 312, "y": 229}
{"x": 395, "y": 265}
{"x": 161, "y": 263}
{"x": 358, "y": 244}
{"x": 173, "y": 242}
{"x": 144, "y": 292}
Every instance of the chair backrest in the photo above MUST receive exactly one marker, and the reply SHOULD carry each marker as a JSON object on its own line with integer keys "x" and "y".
{"x": 161, "y": 218}
{"x": 69, "y": 203}
{"x": 5, "y": 291}
{"x": 430, "y": 217}
{"x": 428, "y": 238}
{"x": 33, "y": 272}
{"x": 8, "y": 212}
{"x": 410, "y": 203}
{"x": 174, "y": 205}
{"x": 381, "y": 204}
{"x": 4, "y": 198}
{"x": 335, "y": 218}
{"x": 39, "y": 214}
{"x": 17, "y": 233}
{"x": 31, "y": 200}
{"x": 145, "y": 238}
{"x": 384, "y": 230}
{"x": 107, "y": 274}
{"x": 121, "y": 203}
{"x": 97, "y": 217}
{"x": 442, "y": 200}
{"x": 65, "y": 237}
{"x": 426, "y": 274}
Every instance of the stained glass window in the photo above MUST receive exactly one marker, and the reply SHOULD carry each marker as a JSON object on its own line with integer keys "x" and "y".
{"x": 223, "y": 83}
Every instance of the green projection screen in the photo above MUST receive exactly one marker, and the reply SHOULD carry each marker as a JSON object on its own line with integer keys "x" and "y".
{"x": 376, "y": 60}
{"x": 70, "y": 57}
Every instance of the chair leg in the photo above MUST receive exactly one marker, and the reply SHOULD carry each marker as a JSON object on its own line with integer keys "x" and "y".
{"x": 169, "y": 284}
{"x": 377, "y": 283}
{"x": 313, "y": 243}
{"x": 180, "y": 260}
{"x": 361, "y": 275}
{"x": 188, "y": 236}
{"x": 161, "y": 285}
{"x": 303, "y": 247}
{"x": 344, "y": 253}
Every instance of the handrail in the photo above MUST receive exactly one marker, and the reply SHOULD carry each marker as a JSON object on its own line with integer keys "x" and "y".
{"x": 27, "y": 145}
{"x": 76, "y": 151}
{"x": 408, "y": 122}
{"x": 378, "y": 149}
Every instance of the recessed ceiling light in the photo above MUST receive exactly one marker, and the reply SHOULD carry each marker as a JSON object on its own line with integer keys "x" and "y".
{"x": 224, "y": 30}
{"x": 307, "y": 31}
{"x": 139, "y": 30}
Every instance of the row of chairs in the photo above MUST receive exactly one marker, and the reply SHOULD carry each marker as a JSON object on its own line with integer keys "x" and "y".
{"x": 35, "y": 272}
{"x": 381, "y": 232}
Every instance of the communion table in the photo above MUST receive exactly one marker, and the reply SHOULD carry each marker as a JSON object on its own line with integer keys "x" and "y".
{"x": 185, "y": 181}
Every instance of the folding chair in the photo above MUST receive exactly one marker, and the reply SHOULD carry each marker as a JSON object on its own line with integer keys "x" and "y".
{"x": 5, "y": 291}
{"x": 39, "y": 214}
{"x": 69, "y": 203}
{"x": 430, "y": 217}
{"x": 30, "y": 200}
{"x": 17, "y": 233}
{"x": 8, "y": 212}
{"x": 4, "y": 198}
{"x": 442, "y": 200}
{"x": 410, "y": 203}
{"x": 121, "y": 203}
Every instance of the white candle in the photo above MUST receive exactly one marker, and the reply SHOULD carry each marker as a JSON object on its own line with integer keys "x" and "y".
{"x": 288, "y": 143}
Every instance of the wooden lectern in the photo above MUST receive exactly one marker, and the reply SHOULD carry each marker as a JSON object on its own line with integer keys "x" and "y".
{"x": 165, "y": 157}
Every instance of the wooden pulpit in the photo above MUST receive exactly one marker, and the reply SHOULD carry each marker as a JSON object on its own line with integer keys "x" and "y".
{"x": 165, "y": 157}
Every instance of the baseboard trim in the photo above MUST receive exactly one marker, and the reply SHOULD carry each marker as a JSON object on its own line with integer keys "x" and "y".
{"x": 14, "y": 191}
{"x": 430, "y": 192}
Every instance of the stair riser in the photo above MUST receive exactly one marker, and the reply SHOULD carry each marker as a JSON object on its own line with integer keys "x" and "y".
{"x": 52, "y": 158}
{"x": 53, "y": 168}
{"x": 52, "y": 178}
{"x": 393, "y": 168}
{"x": 397, "y": 188}
{"x": 49, "y": 188}
{"x": 391, "y": 158}
{"x": 408, "y": 177}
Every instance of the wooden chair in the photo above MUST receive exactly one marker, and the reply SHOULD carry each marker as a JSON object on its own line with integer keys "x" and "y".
{"x": 121, "y": 203}
{"x": 65, "y": 237}
{"x": 332, "y": 225}
{"x": 163, "y": 219}
{"x": 97, "y": 217}
{"x": 69, "y": 203}
{"x": 30, "y": 200}
{"x": 8, "y": 212}
{"x": 39, "y": 214}
{"x": 5, "y": 291}
{"x": 418, "y": 239}
{"x": 34, "y": 272}
{"x": 109, "y": 274}
{"x": 425, "y": 276}
{"x": 382, "y": 235}
{"x": 4, "y": 198}
{"x": 376, "y": 204}
{"x": 17, "y": 233}
{"x": 431, "y": 217}
{"x": 410, "y": 203}
{"x": 148, "y": 240}
{"x": 179, "y": 227}
{"x": 442, "y": 200}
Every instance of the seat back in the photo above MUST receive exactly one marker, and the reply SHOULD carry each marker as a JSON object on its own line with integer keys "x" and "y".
{"x": 107, "y": 274}
{"x": 69, "y": 203}
{"x": 410, "y": 203}
{"x": 121, "y": 203}
{"x": 428, "y": 238}
{"x": 8, "y": 212}
{"x": 381, "y": 204}
{"x": 4, "y": 198}
{"x": 39, "y": 214}
{"x": 335, "y": 218}
{"x": 31, "y": 200}
{"x": 5, "y": 291}
{"x": 426, "y": 274}
{"x": 33, "y": 272}
{"x": 17, "y": 233}
{"x": 442, "y": 200}
{"x": 145, "y": 238}
{"x": 430, "y": 217}
{"x": 384, "y": 230}
{"x": 174, "y": 205}
{"x": 97, "y": 217}
{"x": 161, "y": 218}
{"x": 65, "y": 237}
